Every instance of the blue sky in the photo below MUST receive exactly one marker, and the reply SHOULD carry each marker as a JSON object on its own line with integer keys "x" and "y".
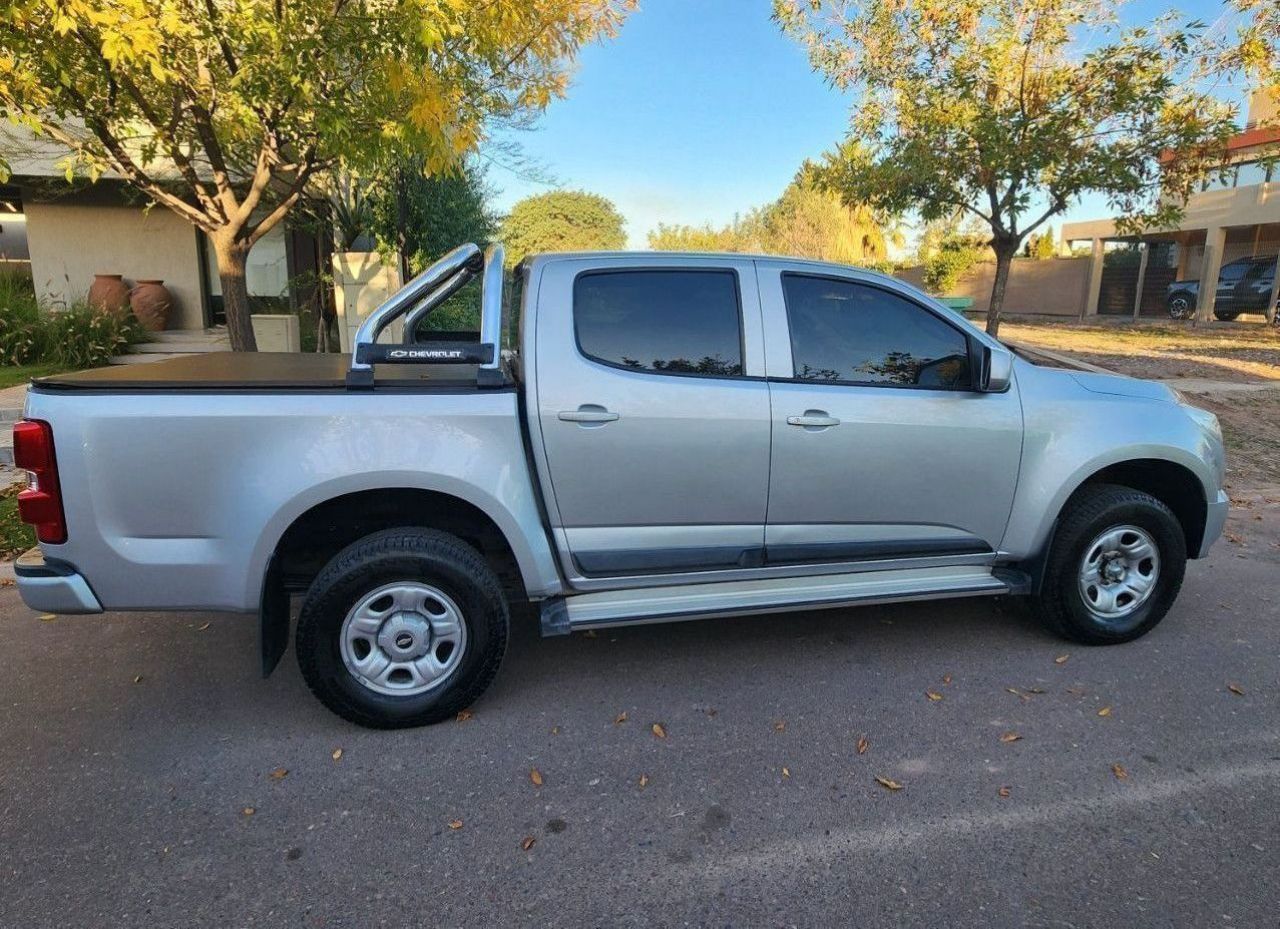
{"x": 698, "y": 110}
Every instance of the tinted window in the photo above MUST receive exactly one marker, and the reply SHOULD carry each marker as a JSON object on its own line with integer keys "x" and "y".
{"x": 674, "y": 322}
{"x": 1233, "y": 271}
{"x": 841, "y": 331}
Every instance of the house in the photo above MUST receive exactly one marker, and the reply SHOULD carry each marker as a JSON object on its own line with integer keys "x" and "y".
{"x": 1235, "y": 215}
{"x": 76, "y": 230}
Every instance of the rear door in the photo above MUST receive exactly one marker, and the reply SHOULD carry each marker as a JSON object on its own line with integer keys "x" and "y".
{"x": 882, "y": 451}
{"x": 653, "y": 415}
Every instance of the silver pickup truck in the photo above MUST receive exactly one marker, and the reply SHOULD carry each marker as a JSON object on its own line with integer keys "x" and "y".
{"x": 668, "y": 437}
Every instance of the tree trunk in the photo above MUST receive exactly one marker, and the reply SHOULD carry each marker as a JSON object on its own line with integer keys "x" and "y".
{"x": 1004, "y": 259}
{"x": 232, "y": 258}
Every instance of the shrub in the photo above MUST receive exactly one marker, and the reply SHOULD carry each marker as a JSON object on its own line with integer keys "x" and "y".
{"x": 75, "y": 338}
{"x": 945, "y": 267}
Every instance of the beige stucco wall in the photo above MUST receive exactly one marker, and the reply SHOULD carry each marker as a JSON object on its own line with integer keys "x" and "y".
{"x": 1054, "y": 286}
{"x": 71, "y": 242}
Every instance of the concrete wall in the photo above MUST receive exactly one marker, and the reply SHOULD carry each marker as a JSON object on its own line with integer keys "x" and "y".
{"x": 1054, "y": 287}
{"x": 361, "y": 283}
{"x": 70, "y": 242}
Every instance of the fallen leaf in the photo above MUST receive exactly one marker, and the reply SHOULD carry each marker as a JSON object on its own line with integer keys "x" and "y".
{"x": 786, "y": 772}
{"x": 620, "y": 718}
{"x": 887, "y": 783}
{"x": 47, "y": 617}
{"x": 644, "y": 780}
{"x": 1118, "y": 770}
{"x": 337, "y": 754}
{"x": 1003, "y": 792}
{"x": 1236, "y": 689}
{"x": 946, "y": 679}
{"x": 137, "y": 678}
{"x": 455, "y": 824}
{"x": 1105, "y": 711}
{"x": 1061, "y": 659}
{"x": 555, "y": 730}
{"x": 780, "y": 725}
{"x": 464, "y": 715}
{"x": 1035, "y": 690}
{"x": 278, "y": 774}
{"x": 536, "y": 776}
{"x": 933, "y": 695}
{"x": 712, "y": 712}
{"x": 1233, "y": 539}
{"x": 863, "y": 745}
{"x": 1011, "y": 737}
{"x": 204, "y": 627}
{"x": 248, "y": 811}
{"x": 527, "y": 843}
{"x": 6, "y": 582}
{"x": 658, "y": 730}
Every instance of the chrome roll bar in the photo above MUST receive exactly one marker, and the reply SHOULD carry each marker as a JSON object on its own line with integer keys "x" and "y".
{"x": 423, "y": 294}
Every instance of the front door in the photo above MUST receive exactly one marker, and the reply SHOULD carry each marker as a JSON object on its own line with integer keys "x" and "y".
{"x": 655, "y": 432}
{"x": 881, "y": 449}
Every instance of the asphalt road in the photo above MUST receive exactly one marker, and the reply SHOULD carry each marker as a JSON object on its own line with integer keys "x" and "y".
{"x": 132, "y": 747}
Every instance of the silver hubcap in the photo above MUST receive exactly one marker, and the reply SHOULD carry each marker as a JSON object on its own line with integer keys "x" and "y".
{"x": 1118, "y": 572}
{"x": 403, "y": 639}
{"x": 1178, "y": 307}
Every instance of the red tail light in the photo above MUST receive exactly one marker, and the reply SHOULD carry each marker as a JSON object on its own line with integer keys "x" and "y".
{"x": 40, "y": 505}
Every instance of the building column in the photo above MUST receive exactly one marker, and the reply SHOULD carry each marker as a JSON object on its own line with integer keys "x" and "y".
{"x": 1215, "y": 243}
{"x": 1145, "y": 248}
{"x": 1275, "y": 294}
{"x": 1094, "y": 290}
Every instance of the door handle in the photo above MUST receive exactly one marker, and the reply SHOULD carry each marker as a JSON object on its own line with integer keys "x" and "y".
{"x": 587, "y": 413}
{"x": 813, "y": 419}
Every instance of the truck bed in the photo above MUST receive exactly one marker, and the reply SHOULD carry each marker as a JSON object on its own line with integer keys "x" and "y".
{"x": 258, "y": 371}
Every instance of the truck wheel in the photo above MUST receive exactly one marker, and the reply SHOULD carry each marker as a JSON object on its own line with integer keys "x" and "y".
{"x": 1115, "y": 566}
{"x": 403, "y": 628}
{"x": 1182, "y": 305}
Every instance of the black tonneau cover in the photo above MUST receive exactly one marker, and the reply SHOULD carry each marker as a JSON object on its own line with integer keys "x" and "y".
{"x": 258, "y": 371}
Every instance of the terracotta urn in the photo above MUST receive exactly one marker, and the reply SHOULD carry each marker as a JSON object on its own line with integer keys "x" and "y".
{"x": 152, "y": 303}
{"x": 109, "y": 294}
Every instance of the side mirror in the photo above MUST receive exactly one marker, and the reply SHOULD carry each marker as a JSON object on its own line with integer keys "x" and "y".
{"x": 995, "y": 370}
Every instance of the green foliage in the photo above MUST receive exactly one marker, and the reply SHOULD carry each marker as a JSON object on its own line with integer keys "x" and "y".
{"x": 993, "y": 110}
{"x": 15, "y": 535}
{"x": 424, "y": 215}
{"x": 949, "y": 264}
{"x": 736, "y": 237}
{"x": 561, "y": 221}
{"x": 78, "y": 337}
{"x": 1041, "y": 245}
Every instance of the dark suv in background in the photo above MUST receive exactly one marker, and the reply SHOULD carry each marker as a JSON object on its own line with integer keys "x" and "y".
{"x": 1244, "y": 286}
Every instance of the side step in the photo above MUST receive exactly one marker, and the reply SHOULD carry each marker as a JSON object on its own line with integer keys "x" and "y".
{"x": 562, "y": 615}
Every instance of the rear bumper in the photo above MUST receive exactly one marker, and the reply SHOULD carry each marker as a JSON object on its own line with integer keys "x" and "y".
{"x": 53, "y": 586}
{"x": 1214, "y": 520}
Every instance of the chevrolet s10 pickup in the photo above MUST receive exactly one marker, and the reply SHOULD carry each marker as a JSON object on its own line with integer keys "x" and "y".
{"x": 668, "y": 436}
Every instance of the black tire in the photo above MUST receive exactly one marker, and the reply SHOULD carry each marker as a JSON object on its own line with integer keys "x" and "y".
{"x": 426, "y": 555}
{"x": 1181, "y": 305}
{"x": 1061, "y": 604}
{"x": 1225, "y": 315}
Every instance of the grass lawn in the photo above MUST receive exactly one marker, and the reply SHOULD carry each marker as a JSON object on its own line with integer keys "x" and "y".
{"x": 15, "y": 536}
{"x": 13, "y": 375}
{"x": 1246, "y": 352}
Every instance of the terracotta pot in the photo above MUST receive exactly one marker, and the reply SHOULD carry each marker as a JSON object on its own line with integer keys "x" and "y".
{"x": 109, "y": 294}
{"x": 152, "y": 303}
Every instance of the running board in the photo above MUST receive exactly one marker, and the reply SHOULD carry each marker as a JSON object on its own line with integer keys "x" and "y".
{"x": 562, "y": 615}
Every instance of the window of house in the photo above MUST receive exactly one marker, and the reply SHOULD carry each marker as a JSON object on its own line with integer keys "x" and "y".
{"x": 851, "y": 333}
{"x": 1251, "y": 173}
{"x": 665, "y": 321}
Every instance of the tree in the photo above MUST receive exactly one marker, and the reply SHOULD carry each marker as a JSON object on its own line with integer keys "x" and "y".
{"x": 988, "y": 108}
{"x": 228, "y": 112}
{"x": 1255, "y": 49}
{"x": 813, "y": 222}
{"x": 561, "y": 221}
{"x": 1041, "y": 245}
{"x": 738, "y": 236}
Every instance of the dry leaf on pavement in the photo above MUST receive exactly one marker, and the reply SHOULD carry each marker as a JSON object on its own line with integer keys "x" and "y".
{"x": 1010, "y": 737}
{"x": 786, "y": 772}
{"x": 278, "y": 774}
{"x": 336, "y": 754}
{"x": 47, "y": 617}
{"x": 455, "y": 824}
{"x": 888, "y": 783}
{"x": 1118, "y": 770}
{"x": 946, "y": 678}
{"x": 1236, "y": 689}
{"x": 659, "y": 730}
{"x": 464, "y": 715}
{"x": 248, "y": 811}
{"x": 1003, "y": 792}
{"x": 536, "y": 776}
{"x": 779, "y": 725}
{"x": 644, "y": 780}
{"x": 203, "y": 627}
{"x": 527, "y": 843}
{"x": 863, "y": 745}
{"x": 620, "y": 718}
{"x": 137, "y": 678}
{"x": 1061, "y": 659}
{"x": 933, "y": 695}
